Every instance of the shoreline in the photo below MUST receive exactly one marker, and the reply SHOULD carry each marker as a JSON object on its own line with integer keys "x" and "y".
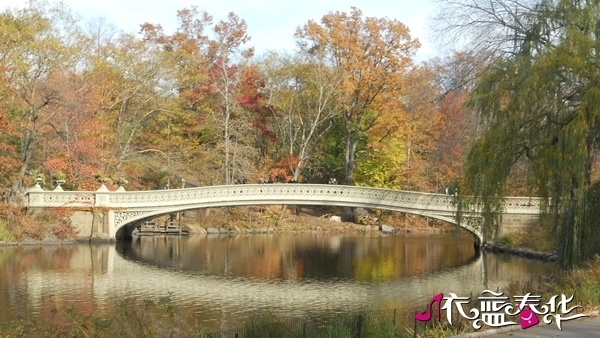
{"x": 520, "y": 251}
{"x": 307, "y": 222}
{"x": 342, "y": 228}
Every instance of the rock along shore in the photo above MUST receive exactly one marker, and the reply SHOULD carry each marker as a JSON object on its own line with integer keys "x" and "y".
{"x": 521, "y": 252}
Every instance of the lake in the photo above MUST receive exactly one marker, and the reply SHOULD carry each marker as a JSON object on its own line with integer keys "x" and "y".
{"x": 225, "y": 280}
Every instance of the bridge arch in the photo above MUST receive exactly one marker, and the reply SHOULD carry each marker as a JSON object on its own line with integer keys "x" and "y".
{"x": 125, "y": 228}
{"x": 435, "y": 206}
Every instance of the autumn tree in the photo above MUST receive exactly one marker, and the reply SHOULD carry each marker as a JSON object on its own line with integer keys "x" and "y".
{"x": 370, "y": 56}
{"x": 457, "y": 128}
{"x": 538, "y": 100}
{"x": 39, "y": 43}
{"x": 397, "y": 150}
{"x": 132, "y": 88}
{"x": 74, "y": 149}
{"x": 301, "y": 94}
{"x": 9, "y": 161}
{"x": 209, "y": 77}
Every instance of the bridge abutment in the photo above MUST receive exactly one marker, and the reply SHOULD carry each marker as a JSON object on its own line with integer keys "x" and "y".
{"x": 513, "y": 223}
{"x": 92, "y": 224}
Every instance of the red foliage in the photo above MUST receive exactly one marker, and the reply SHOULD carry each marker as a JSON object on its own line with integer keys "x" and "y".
{"x": 455, "y": 130}
{"x": 74, "y": 144}
{"x": 253, "y": 98}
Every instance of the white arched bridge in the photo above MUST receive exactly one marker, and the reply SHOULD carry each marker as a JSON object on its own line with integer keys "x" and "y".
{"x": 114, "y": 214}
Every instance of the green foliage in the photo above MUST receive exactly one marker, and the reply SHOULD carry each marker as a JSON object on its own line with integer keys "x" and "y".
{"x": 538, "y": 238}
{"x": 583, "y": 282}
{"x": 369, "y": 323}
{"x": 510, "y": 240}
{"x": 541, "y": 108}
{"x": 580, "y": 224}
{"x": 331, "y": 152}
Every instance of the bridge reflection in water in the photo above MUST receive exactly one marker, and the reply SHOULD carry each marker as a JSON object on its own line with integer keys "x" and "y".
{"x": 287, "y": 276}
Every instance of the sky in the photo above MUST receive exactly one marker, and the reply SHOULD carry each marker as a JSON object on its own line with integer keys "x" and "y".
{"x": 271, "y": 23}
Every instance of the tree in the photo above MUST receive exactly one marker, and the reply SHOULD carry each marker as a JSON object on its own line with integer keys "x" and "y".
{"x": 398, "y": 149}
{"x": 134, "y": 89}
{"x": 74, "y": 150}
{"x": 539, "y": 104}
{"x": 208, "y": 80}
{"x": 301, "y": 97}
{"x": 9, "y": 161}
{"x": 457, "y": 128}
{"x": 40, "y": 42}
{"x": 370, "y": 57}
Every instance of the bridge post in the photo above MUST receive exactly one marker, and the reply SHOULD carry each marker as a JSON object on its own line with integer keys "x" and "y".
{"x": 102, "y": 196}
{"x": 35, "y": 196}
{"x": 112, "y": 233}
{"x": 103, "y": 200}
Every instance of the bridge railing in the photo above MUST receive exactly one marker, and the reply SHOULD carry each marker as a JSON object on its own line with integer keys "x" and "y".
{"x": 58, "y": 199}
{"x": 273, "y": 193}
{"x": 266, "y": 194}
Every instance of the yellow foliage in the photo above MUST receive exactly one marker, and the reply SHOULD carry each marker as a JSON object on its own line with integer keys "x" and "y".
{"x": 382, "y": 164}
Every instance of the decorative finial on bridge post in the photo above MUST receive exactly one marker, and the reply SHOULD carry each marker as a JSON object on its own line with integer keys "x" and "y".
{"x": 121, "y": 182}
{"x": 102, "y": 180}
{"x": 38, "y": 184}
{"x": 58, "y": 185}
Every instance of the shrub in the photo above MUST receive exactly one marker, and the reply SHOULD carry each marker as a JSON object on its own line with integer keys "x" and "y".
{"x": 64, "y": 231}
{"x": 56, "y": 221}
{"x": 13, "y": 223}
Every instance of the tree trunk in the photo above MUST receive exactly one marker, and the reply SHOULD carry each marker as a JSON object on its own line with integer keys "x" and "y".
{"x": 15, "y": 195}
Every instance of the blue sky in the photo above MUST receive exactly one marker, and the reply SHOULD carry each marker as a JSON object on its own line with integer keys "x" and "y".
{"x": 271, "y": 23}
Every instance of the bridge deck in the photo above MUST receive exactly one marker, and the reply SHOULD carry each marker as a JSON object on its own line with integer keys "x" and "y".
{"x": 132, "y": 206}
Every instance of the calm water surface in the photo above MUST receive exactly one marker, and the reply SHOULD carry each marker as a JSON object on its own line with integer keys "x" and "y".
{"x": 227, "y": 279}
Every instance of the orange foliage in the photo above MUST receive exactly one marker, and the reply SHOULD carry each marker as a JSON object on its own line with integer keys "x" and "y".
{"x": 74, "y": 144}
{"x": 280, "y": 171}
{"x": 371, "y": 57}
{"x": 9, "y": 162}
{"x": 454, "y": 132}
{"x": 14, "y": 220}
